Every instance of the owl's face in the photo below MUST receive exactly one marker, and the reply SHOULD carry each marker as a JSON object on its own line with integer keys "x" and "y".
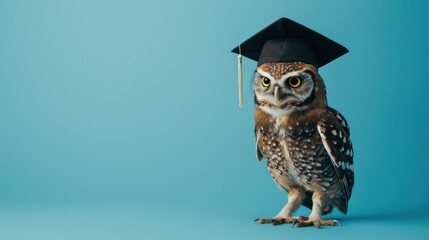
{"x": 285, "y": 87}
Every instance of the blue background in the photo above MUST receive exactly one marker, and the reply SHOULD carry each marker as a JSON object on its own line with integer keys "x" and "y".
{"x": 120, "y": 119}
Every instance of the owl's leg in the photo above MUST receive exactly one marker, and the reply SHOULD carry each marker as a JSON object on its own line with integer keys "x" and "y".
{"x": 295, "y": 198}
{"x": 315, "y": 218}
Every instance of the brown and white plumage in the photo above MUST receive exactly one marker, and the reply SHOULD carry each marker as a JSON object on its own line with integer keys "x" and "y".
{"x": 305, "y": 142}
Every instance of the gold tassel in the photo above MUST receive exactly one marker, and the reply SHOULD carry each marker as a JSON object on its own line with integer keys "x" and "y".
{"x": 240, "y": 78}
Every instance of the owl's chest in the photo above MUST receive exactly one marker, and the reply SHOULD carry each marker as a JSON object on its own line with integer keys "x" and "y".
{"x": 293, "y": 152}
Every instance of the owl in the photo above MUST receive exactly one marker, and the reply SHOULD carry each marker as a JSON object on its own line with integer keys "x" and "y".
{"x": 305, "y": 142}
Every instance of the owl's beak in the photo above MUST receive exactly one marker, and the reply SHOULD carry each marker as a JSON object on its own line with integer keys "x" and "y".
{"x": 277, "y": 94}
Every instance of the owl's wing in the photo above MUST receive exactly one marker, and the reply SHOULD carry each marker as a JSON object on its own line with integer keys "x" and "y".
{"x": 341, "y": 119}
{"x": 334, "y": 131}
{"x": 259, "y": 155}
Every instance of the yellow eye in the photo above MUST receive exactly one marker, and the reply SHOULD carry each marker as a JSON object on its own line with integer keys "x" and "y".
{"x": 294, "y": 82}
{"x": 265, "y": 81}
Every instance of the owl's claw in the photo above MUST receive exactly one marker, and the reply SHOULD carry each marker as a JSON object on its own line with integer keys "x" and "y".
{"x": 316, "y": 223}
{"x": 276, "y": 221}
{"x": 300, "y": 221}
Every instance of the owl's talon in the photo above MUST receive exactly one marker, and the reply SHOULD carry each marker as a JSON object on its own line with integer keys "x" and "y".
{"x": 294, "y": 223}
{"x": 276, "y": 221}
{"x": 316, "y": 223}
{"x": 262, "y": 220}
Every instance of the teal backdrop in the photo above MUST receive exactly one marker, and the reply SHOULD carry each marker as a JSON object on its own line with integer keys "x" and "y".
{"x": 120, "y": 119}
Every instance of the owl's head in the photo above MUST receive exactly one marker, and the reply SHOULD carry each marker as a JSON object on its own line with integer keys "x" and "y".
{"x": 281, "y": 88}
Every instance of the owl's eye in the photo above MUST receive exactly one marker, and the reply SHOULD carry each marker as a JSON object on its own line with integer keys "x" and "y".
{"x": 265, "y": 81}
{"x": 294, "y": 82}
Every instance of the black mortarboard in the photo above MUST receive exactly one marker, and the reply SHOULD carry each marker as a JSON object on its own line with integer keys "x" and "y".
{"x": 287, "y": 41}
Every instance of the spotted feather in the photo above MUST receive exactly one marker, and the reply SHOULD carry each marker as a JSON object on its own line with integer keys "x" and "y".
{"x": 341, "y": 119}
{"x": 334, "y": 131}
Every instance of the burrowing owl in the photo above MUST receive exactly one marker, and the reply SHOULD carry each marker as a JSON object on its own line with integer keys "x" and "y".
{"x": 305, "y": 142}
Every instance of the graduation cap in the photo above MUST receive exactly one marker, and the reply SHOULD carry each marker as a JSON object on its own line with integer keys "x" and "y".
{"x": 287, "y": 41}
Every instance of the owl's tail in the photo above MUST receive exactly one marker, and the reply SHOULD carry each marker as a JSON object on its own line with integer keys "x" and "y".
{"x": 342, "y": 204}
